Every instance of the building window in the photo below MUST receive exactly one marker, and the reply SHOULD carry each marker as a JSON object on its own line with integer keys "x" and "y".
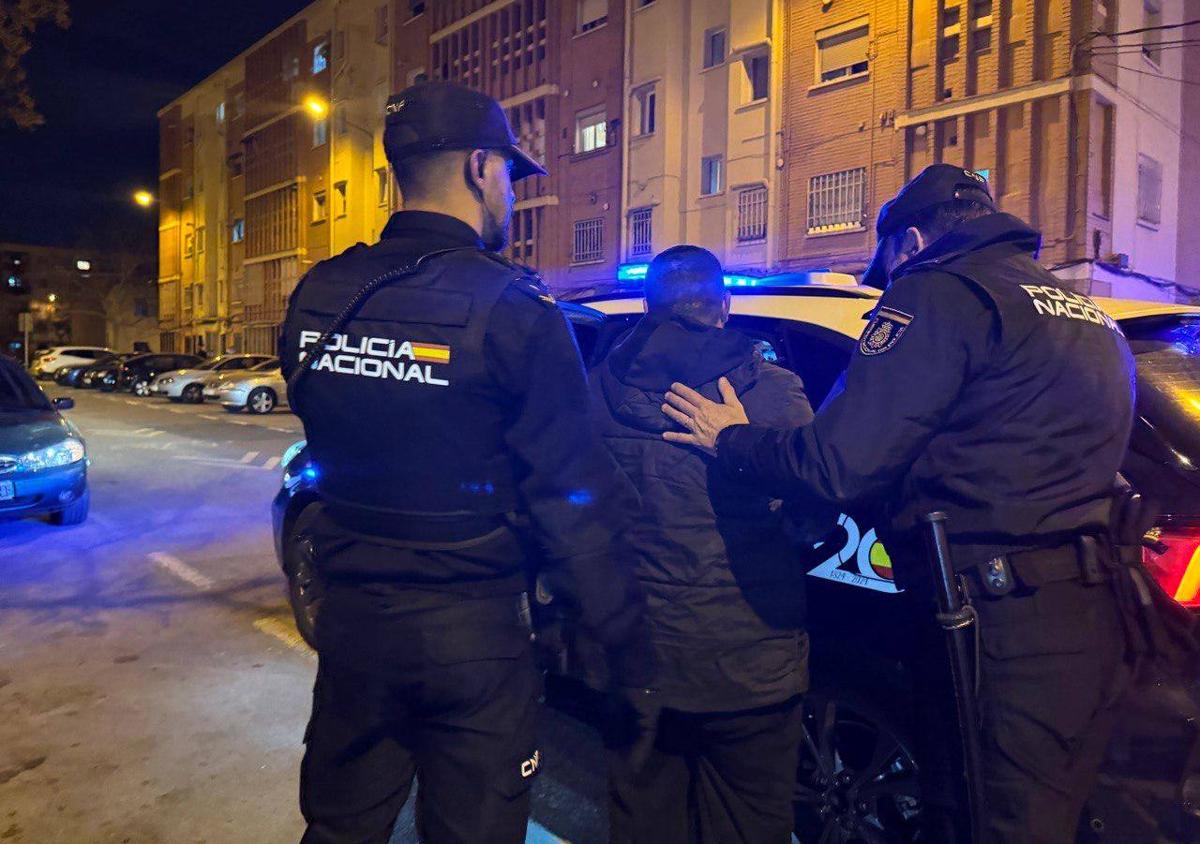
{"x": 291, "y": 67}
{"x": 416, "y": 8}
{"x": 842, "y": 52}
{"x": 320, "y": 132}
{"x": 752, "y": 214}
{"x": 714, "y": 47}
{"x": 239, "y": 105}
{"x": 237, "y": 232}
{"x": 591, "y": 130}
{"x": 592, "y": 14}
{"x": 711, "y": 177}
{"x": 523, "y": 240}
{"x": 1149, "y": 194}
{"x": 756, "y": 84}
{"x": 201, "y": 236}
{"x": 981, "y": 34}
{"x": 641, "y": 233}
{"x": 141, "y": 307}
{"x": 320, "y": 211}
{"x": 383, "y": 184}
{"x": 341, "y": 203}
{"x": 644, "y": 106}
{"x": 339, "y": 120}
{"x": 1152, "y": 38}
{"x": 221, "y": 112}
{"x": 189, "y": 244}
{"x": 641, "y": 4}
{"x": 320, "y": 57}
{"x": 589, "y": 241}
{"x": 381, "y": 24}
{"x": 837, "y": 201}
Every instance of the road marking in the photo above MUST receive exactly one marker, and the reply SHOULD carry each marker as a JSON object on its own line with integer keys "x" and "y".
{"x": 210, "y": 416}
{"x": 132, "y": 402}
{"x": 180, "y": 569}
{"x": 285, "y": 633}
{"x": 240, "y": 422}
{"x": 178, "y": 410}
{"x": 271, "y": 463}
{"x": 147, "y": 432}
{"x": 217, "y": 461}
{"x": 248, "y": 456}
{"x": 535, "y": 833}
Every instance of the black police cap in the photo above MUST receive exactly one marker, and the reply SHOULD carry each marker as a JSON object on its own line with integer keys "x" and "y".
{"x": 937, "y": 184}
{"x": 437, "y": 115}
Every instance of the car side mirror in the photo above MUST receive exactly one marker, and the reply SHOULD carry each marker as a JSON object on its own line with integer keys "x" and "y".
{"x": 64, "y": 403}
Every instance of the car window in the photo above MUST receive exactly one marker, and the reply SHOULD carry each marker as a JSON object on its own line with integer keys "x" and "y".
{"x": 1167, "y": 351}
{"x": 19, "y": 392}
{"x": 236, "y": 363}
{"x": 269, "y": 363}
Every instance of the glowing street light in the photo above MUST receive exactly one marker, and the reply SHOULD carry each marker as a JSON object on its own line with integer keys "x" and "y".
{"x": 144, "y": 198}
{"x": 316, "y": 106}
{"x": 52, "y": 298}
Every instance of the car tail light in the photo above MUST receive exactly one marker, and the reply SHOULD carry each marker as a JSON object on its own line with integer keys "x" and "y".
{"x": 1177, "y": 569}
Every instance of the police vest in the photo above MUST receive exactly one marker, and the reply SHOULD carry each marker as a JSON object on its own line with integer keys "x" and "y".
{"x": 1043, "y": 424}
{"x": 404, "y": 421}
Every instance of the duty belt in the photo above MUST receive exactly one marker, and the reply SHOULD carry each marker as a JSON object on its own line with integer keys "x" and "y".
{"x": 1085, "y": 559}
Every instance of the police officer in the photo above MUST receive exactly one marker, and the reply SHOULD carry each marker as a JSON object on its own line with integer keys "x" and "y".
{"x": 446, "y": 410}
{"x": 981, "y": 388}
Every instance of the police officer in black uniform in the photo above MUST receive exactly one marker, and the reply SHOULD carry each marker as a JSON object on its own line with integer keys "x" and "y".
{"x": 982, "y": 389}
{"x": 446, "y": 411}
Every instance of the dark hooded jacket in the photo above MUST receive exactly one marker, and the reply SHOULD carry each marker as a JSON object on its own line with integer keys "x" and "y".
{"x": 724, "y": 583}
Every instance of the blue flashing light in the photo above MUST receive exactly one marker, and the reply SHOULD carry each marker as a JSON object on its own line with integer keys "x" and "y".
{"x": 986, "y": 173}
{"x": 632, "y": 272}
{"x": 310, "y": 473}
{"x": 579, "y": 497}
{"x": 741, "y": 281}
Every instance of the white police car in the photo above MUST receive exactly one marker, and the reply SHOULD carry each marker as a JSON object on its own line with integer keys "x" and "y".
{"x": 858, "y": 769}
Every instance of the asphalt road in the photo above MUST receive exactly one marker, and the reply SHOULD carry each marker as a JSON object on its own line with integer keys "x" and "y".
{"x": 152, "y": 686}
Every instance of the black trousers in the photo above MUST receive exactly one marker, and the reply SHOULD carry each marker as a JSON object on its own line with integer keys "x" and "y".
{"x": 1053, "y": 667}
{"x": 447, "y": 694}
{"x": 711, "y": 778}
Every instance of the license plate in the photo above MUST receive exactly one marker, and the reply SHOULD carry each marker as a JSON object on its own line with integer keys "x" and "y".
{"x": 8, "y": 491}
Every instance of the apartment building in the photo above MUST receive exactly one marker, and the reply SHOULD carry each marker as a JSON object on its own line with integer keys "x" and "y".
{"x": 1077, "y": 132}
{"x": 704, "y": 111}
{"x": 769, "y": 131}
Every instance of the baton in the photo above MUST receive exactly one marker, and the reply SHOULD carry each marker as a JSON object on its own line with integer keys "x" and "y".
{"x": 957, "y": 618}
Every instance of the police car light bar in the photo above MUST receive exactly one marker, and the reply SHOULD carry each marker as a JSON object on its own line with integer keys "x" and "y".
{"x": 634, "y": 274}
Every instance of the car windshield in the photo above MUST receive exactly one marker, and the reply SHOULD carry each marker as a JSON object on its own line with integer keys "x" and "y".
{"x": 208, "y": 364}
{"x": 1167, "y": 350}
{"x": 19, "y": 392}
{"x": 273, "y": 363}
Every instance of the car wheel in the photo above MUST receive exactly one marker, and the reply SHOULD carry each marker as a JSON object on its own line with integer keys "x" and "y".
{"x": 141, "y": 387}
{"x": 193, "y": 394}
{"x": 857, "y": 778}
{"x": 305, "y": 588}
{"x": 261, "y": 400}
{"x": 74, "y": 513}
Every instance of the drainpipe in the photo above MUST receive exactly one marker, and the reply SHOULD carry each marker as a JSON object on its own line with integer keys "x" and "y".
{"x": 626, "y": 81}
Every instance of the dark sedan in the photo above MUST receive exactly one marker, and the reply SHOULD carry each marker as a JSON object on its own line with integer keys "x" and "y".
{"x": 43, "y": 460}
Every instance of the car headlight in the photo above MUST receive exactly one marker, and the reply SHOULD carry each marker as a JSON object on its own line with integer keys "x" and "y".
{"x": 166, "y": 380}
{"x": 62, "y": 453}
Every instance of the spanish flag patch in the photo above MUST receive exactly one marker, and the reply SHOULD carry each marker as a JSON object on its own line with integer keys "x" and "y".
{"x": 430, "y": 353}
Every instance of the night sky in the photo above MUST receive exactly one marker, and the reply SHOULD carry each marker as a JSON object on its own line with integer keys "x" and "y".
{"x": 99, "y": 85}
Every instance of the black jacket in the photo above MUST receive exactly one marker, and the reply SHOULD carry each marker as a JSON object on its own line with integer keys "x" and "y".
{"x": 979, "y": 388}
{"x": 455, "y": 401}
{"x": 723, "y": 583}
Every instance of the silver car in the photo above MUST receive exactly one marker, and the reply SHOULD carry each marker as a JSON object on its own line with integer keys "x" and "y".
{"x": 189, "y": 384}
{"x": 260, "y": 390}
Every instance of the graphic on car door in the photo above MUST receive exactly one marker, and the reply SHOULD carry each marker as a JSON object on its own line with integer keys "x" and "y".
{"x": 860, "y": 560}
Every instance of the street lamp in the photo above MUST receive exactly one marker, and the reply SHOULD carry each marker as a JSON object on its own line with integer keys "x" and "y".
{"x": 52, "y": 298}
{"x": 144, "y": 198}
{"x": 316, "y": 106}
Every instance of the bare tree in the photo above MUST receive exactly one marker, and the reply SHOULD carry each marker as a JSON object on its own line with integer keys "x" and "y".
{"x": 19, "y": 19}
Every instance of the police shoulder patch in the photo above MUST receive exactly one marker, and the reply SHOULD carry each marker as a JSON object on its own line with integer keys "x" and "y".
{"x": 884, "y": 331}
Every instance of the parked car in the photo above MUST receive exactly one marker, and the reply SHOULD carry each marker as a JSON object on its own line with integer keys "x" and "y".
{"x": 137, "y": 373}
{"x": 44, "y": 366}
{"x": 858, "y": 766}
{"x": 260, "y": 391}
{"x": 43, "y": 458}
{"x": 90, "y": 377}
{"x": 188, "y": 384}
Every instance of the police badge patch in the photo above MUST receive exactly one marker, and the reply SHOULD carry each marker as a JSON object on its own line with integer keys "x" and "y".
{"x": 883, "y": 331}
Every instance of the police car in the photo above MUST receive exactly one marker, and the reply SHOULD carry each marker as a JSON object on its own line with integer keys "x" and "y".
{"x": 858, "y": 767}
